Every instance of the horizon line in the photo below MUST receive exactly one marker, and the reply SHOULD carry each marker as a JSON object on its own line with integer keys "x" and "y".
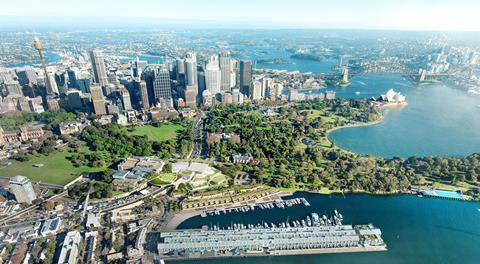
{"x": 12, "y": 21}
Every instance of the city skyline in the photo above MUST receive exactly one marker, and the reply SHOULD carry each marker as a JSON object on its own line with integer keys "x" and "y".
{"x": 440, "y": 15}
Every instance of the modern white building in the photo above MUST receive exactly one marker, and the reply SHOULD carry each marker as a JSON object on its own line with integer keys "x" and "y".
{"x": 213, "y": 76}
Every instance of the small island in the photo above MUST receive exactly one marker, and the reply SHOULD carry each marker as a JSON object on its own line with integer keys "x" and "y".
{"x": 307, "y": 56}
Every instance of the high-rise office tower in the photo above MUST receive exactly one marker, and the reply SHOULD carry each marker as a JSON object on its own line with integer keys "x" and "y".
{"x": 225, "y": 68}
{"x": 126, "y": 102}
{"x": 36, "y": 105}
{"x": 213, "y": 76}
{"x": 266, "y": 86}
{"x": 234, "y": 79}
{"x": 50, "y": 79}
{"x": 256, "y": 90}
{"x": 98, "y": 67}
{"x": 162, "y": 88}
{"x": 138, "y": 67}
{"x": 61, "y": 80}
{"x": 75, "y": 101}
{"x": 12, "y": 88}
{"x": 237, "y": 96}
{"x": 26, "y": 76}
{"x": 141, "y": 86}
{"x": 180, "y": 71}
{"x": 245, "y": 76}
{"x": 22, "y": 189}
{"x": 72, "y": 74}
{"x": 84, "y": 85}
{"x": 191, "y": 96}
{"x": 49, "y": 82}
{"x": 98, "y": 101}
{"x": 191, "y": 70}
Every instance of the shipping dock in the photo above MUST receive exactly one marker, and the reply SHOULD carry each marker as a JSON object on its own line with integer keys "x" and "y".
{"x": 314, "y": 234}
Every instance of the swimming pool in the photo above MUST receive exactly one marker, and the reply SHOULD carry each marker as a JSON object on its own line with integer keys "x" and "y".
{"x": 449, "y": 194}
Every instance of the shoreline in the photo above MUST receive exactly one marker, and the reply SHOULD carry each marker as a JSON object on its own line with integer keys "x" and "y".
{"x": 185, "y": 214}
{"x": 351, "y": 125}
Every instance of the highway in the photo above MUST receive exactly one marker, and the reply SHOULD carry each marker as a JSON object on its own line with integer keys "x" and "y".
{"x": 197, "y": 137}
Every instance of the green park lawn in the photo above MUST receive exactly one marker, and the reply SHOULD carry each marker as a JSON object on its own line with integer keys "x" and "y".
{"x": 56, "y": 169}
{"x": 218, "y": 179}
{"x": 164, "y": 178}
{"x": 162, "y": 133}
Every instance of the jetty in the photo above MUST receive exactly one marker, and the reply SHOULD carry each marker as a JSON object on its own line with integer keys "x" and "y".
{"x": 314, "y": 234}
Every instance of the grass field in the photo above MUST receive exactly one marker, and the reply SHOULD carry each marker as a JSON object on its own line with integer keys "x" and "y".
{"x": 164, "y": 178}
{"x": 165, "y": 132}
{"x": 218, "y": 179}
{"x": 57, "y": 169}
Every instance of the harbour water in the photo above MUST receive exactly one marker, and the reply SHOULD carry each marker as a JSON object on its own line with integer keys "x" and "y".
{"x": 50, "y": 57}
{"x": 416, "y": 230}
{"x": 438, "y": 120}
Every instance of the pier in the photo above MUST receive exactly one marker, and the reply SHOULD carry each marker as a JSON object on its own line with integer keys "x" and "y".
{"x": 312, "y": 235}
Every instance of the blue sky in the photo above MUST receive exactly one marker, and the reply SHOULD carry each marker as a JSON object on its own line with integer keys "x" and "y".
{"x": 366, "y": 14}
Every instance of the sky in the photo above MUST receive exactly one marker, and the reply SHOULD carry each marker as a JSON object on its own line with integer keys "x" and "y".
{"x": 444, "y": 15}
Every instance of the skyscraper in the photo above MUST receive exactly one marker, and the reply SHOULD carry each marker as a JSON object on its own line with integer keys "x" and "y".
{"x": 98, "y": 101}
{"x": 126, "y": 102}
{"x": 75, "y": 101}
{"x": 180, "y": 71}
{"x": 142, "y": 87}
{"x": 72, "y": 77}
{"x": 256, "y": 90}
{"x": 191, "y": 96}
{"x": 162, "y": 88}
{"x": 61, "y": 80}
{"x": 138, "y": 67}
{"x": 27, "y": 76}
{"x": 49, "y": 82}
{"x": 98, "y": 67}
{"x": 245, "y": 76}
{"x": 191, "y": 70}
{"x": 21, "y": 187}
{"x": 213, "y": 76}
{"x": 225, "y": 68}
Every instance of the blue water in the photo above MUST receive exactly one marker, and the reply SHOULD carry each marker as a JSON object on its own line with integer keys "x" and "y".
{"x": 50, "y": 57}
{"x": 416, "y": 230}
{"x": 438, "y": 121}
{"x": 266, "y": 51}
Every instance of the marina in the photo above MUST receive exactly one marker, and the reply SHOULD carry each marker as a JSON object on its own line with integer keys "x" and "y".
{"x": 314, "y": 234}
{"x": 262, "y": 206}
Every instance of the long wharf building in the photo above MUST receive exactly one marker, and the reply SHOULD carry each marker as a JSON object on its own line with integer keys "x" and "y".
{"x": 259, "y": 241}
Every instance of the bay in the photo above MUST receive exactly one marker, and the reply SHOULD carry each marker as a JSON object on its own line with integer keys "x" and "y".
{"x": 439, "y": 120}
{"x": 416, "y": 230}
